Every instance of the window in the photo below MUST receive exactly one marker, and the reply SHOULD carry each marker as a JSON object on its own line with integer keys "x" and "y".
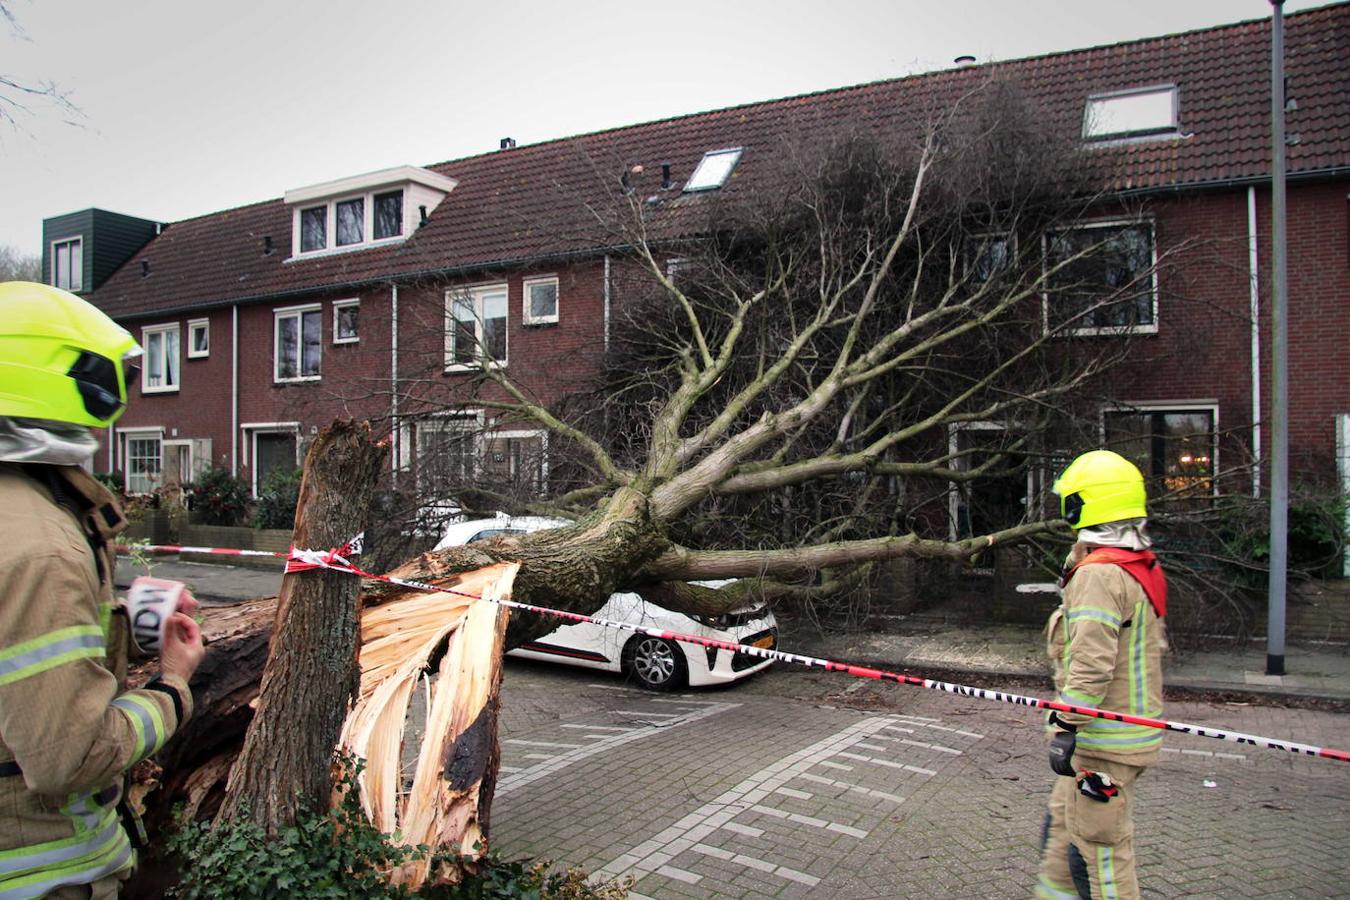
{"x": 345, "y": 320}
{"x": 143, "y": 462}
{"x": 445, "y": 451}
{"x": 515, "y": 461}
{"x": 351, "y": 217}
{"x": 541, "y": 301}
{"x": 388, "y": 215}
{"x": 313, "y": 229}
{"x": 475, "y": 326}
{"x": 352, "y": 221}
{"x": 1174, "y": 447}
{"x": 1107, "y": 282}
{"x": 298, "y": 343}
{"x": 998, "y": 498}
{"x": 159, "y": 371}
{"x": 1134, "y": 113}
{"x": 68, "y": 264}
{"x": 988, "y": 254}
{"x": 713, "y": 170}
{"x": 199, "y": 338}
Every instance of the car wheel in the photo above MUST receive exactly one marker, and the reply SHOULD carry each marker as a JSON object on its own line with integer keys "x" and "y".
{"x": 655, "y": 663}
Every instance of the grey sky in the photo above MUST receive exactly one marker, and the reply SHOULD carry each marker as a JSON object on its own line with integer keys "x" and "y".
{"x": 193, "y": 106}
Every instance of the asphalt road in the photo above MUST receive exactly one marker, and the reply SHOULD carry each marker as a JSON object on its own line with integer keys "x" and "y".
{"x": 808, "y": 784}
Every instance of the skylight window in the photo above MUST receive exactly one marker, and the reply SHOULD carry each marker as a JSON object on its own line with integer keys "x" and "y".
{"x": 1131, "y": 113}
{"x": 713, "y": 170}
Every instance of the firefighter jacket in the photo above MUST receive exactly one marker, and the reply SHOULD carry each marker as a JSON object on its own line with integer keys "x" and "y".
{"x": 1106, "y": 642}
{"x": 68, "y": 728}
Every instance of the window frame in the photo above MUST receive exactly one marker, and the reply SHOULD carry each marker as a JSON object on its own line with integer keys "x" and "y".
{"x": 73, "y": 286}
{"x": 125, "y": 437}
{"x": 1165, "y": 406}
{"x": 690, "y": 186}
{"x": 193, "y": 326}
{"x": 339, "y": 305}
{"x": 1094, "y": 330}
{"x": 526, "y": 316}
{"x": 368, "y": 239}
{"x": 163, "y": 329}
{"x": 1008, "y": 238}
{"x": 477, "y": 292}
{"x": 297, "y": 312}
{"x": 1132, "y": 134}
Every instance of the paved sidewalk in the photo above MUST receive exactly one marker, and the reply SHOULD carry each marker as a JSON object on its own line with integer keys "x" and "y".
{"x": 913, "y": 644}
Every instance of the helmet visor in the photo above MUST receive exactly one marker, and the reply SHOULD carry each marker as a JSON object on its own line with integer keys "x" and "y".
{"x": 96, "y": 380}
{"x": 1071, "y": 507}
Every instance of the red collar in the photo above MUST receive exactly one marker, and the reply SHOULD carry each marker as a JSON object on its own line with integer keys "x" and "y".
{"x": 1141, "y": 564}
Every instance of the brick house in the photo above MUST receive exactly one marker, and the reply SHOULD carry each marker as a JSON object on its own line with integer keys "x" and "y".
{"x": 356, "y": 297}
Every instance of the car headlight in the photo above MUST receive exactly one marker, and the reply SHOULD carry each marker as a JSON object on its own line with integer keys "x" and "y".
{"x": 722, "y": 621}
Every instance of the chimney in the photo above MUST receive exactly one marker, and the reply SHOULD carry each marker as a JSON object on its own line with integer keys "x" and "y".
{"x": 422, "y": 211}
{"x": 665, "y": 176}
{"x": 267, "y": 245}
{"x": 964, "y": 61}
{"x": 145, "y": 268}
{"x": 508, "y": 143}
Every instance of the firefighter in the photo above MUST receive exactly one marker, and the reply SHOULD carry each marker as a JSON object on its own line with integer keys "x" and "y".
{"x": 1105, "y": 642}
{"x": 69, "y": 730}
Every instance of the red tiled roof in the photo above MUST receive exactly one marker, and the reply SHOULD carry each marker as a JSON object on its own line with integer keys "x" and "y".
{"x": 530, "y": 201}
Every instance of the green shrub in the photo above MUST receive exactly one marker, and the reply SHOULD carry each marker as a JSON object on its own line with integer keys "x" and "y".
{"x": 277, "y": 499}
{"x": 218, "y": 497}
{"x": 1316, "y": 539}
{"x": 113, "y": 481}
{"x": 339, "y": 854}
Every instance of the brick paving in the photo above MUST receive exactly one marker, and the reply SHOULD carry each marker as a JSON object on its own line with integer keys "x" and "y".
{"x": 804, "y": 784}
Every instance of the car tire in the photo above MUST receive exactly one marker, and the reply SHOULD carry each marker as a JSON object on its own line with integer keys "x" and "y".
{"x": 655, "y": 663}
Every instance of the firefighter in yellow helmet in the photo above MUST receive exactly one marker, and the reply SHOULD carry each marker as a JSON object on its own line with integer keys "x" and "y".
{"x": 69, "y": 729}
{"x": 1105, "y": 643}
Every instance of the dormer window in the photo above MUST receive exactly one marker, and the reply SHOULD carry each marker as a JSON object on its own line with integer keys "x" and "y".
{"x": 1140, "y": 112}
{"x": 713, "y": 170}
{"x": 364, "y": 211}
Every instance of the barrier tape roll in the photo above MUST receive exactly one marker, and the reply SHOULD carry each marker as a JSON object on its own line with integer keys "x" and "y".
{"x": 336, "y": 560}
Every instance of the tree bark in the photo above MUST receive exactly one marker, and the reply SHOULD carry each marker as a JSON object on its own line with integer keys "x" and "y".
{"x": 311, "y": 672}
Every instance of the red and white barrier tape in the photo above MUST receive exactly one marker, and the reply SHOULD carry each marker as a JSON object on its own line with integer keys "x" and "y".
{"x": 335, "y": 560}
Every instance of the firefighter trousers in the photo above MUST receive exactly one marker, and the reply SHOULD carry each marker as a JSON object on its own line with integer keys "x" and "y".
{"x": 1088, "y": 846}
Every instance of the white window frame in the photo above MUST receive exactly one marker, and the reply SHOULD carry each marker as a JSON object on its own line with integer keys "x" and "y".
{"x": 251, "y": 430}
{"x": 525, "y": 287}
{"x": 692, "y": 186}
{"x": 515, "y": 434}
{"x": 368, "y": 239}
{"x": 954, "y": 488}
{"x": 1154, "y": 132}
{"x": 1343, "y": 467}
{"x": 146, "y": 332}
{"x": 1088, "y": 331}
{"x": 1165, "y": 406}
{"x": 193, "y": 326}
{"x": 76, "y": 273}
{"x": 124, "y": 438}
{"x": 299, "y": 313}
{"x": 477, "y": 292}
{"x": 346, "y": 304}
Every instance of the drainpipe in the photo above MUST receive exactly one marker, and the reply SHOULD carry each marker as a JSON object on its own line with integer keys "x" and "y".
{"x": 1279, "y": 357}
{"x": 393, "y": 385}
{"x": 1253, "y": 269}
{"x": 234, "y": 390}
{"x": 606, "y": 292}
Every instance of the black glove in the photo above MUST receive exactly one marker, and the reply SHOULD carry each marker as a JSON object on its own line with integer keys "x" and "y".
{"x": 1061, "y": 752}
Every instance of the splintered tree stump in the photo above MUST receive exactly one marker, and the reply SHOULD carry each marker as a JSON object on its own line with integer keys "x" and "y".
{"x": 311, "y": 672}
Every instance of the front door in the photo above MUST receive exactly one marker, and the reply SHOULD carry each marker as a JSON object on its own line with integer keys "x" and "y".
{"x": 272, "y": 452}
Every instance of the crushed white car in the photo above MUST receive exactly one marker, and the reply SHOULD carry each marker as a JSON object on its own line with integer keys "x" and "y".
{"x": 651, "y": 662}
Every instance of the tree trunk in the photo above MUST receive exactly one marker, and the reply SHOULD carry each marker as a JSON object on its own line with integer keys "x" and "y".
{"x": 311, "y": 672}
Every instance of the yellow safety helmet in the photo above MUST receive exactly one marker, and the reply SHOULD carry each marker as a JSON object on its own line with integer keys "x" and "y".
{"x": 1098, "y": 487}
{"x": 61, "y": 358}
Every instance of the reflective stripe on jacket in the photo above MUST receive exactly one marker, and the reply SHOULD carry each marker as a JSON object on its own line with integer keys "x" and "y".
{"x": 67, "y": 723}
{"x": 1106, "y": 644}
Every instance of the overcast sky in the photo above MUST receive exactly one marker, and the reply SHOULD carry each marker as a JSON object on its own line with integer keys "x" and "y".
{"x": 193, "y": 106}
